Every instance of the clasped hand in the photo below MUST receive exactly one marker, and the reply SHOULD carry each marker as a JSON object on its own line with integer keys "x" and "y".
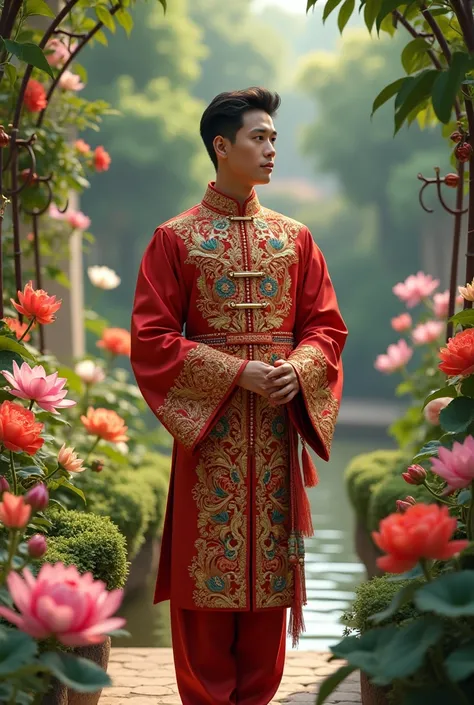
{"x": 279, "y": 384}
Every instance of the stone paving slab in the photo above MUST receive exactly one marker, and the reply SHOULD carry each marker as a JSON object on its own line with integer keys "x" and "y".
{"x": 146, "y": 677}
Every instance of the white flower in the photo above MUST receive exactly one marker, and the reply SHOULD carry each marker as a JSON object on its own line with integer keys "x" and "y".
{"x": 89, "y": 372}
{"x": 71, "y": 81}
{"x": 122, "y": 447}
{"x": 103, "y": 277}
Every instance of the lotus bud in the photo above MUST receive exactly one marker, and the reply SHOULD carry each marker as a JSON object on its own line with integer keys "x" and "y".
{"x": 415, "y": 475}
{"x": 38, "y": 497}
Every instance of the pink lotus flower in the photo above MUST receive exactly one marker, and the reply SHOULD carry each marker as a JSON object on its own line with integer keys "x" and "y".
{"x": 401, "y": 322}
{"x": 57, "y": 53}
{"x": 415, "y": 288}
{"x": 441, "y": 304}
{"x": 74, "y": 608}
{"x": 456, "y": 466}
{"x": 433, "y": 409}
{"x": 396, "y": 357}
{"x": 71, "y": 81}
{"x": 428, "y": 332}
{"x": 33, "y": 383}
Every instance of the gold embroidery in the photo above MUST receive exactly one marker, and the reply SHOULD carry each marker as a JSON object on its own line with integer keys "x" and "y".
{"x": 219, "y": 202}
{"x": 220, "y": 567}
{"x": 322, "y": 406}
{"x": 197, "y": 392}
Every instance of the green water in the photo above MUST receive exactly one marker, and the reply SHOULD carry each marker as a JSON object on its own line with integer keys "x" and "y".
{"x": 332, "y": 568}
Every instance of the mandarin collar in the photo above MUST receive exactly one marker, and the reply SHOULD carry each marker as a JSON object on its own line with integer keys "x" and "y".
{"x": 225, "y": 205}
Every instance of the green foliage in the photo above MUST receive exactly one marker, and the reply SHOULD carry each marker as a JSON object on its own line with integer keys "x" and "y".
{"x": 374, "y": 596}
{"x": 91, "y": 543}
{"x": 366, "y": 471}
{"x": 384, "y": 495}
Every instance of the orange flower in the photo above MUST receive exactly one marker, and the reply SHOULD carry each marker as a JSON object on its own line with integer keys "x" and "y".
{"x": 422, "y": 531}
{"x": 82, "y": 146}
{"x": 17, "y": 328}
{"x": 102, "y": 159}
{"x": 116, "y": 340}
{"x": 35, "y": 96}
{"x": 69, "y": 460}
{"x": 106, "y": 424}
{"x": 18, "y": 429}
{"x": 37, "y": 304}
{"x": 14, "y": 512}
{"x": 458, "y": 357}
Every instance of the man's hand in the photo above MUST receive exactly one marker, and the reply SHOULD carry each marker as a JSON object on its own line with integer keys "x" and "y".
{"x": 254, "y": 378}
{"x": 283, "y": 381}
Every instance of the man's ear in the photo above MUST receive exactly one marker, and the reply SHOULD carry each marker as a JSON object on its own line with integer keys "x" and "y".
{"x": 220, "y": 146}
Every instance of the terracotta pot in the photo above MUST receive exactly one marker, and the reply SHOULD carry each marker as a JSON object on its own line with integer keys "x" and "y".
{"x": 366, "y": 550}
{"x": 57, "y": 695}
{"x": 372, "y": 694}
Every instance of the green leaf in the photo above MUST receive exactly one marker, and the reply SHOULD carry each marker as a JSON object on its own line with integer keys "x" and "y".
{"x": 364, "y": 652}
{"x": 428, "y": 451}
{"x": 75, "y": 490}
{"x": 401, "y": 598}
{"x": 419, "y": 90}
{"x": 101, "y": 38}
{"x": 447, "y": 85}
{"x": 460, "y": 663}
{"x": 16, "y": 650}
{"x": 388, "y": 6}
{"x": 16, "y": 347}
{"x": 345, "y": 14}
{"x": 458, "y": 415}
{"x": 433, "y": 694}
{"x": 329, "y": 7}
{"x": 411, "y": 53}
{"x": 371, "y": 10}
{"x": 74, "y": 382}
{"x": 104, "y": 16}
{"x": 464, "y": 318}
{"x": 125, "y": 20}
{"x": 77, "y": 673}
{"x": 11, "y": 73}
{"x": 38, "y": 7}
{"x": 387, "y": 93}
{"x": 330, "y": 683}
{"x": 406, "y": 652}
{"x": 163, "y": 4}
{"x": 467, "y": 386}
{"x": 30, "y": 53}
{"x": 451, "y": 595}
{"x": 463, "y": 497}
{"x": 6, "y": 363}
{"x": 448, "y": 391}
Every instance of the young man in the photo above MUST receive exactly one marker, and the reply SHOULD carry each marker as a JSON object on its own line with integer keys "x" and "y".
{"x": 258, "y": 365}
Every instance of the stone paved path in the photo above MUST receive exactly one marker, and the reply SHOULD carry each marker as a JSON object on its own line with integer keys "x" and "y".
{"x": 146, "y": 677}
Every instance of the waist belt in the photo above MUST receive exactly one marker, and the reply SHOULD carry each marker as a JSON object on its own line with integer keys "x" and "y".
{"x": 244, "y": 339}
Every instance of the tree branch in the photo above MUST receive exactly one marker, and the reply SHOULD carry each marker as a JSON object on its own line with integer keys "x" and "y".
{"x": 436, "y": 29}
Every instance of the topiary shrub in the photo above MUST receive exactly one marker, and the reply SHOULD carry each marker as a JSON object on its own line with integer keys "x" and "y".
{"x": 367, "y": 470}
{"x": 383, "y": 497}
{"x": 91, "y": 543}
{"x": 155, "y": 473}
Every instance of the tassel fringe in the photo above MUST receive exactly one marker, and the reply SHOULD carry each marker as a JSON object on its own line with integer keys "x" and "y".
{"x": 296, "y": 623}
{"x": 310, "y": 474}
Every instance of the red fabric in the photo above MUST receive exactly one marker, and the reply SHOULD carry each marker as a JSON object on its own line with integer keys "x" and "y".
{"x": 228, "y": 657}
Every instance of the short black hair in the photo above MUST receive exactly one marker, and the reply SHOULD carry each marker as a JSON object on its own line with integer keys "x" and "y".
{"x": 224, "y": 115}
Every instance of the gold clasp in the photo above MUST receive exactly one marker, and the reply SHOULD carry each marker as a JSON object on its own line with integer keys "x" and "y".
{"x": 249, "y": 305}
{"x": 241, "y": 275}
{"x": 245, "y": 218}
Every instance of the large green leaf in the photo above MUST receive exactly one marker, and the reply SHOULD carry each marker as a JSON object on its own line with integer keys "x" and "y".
{"x": 364, "y": 652}
{"x": 310, "y": 4}
{"x": 6, "y": 363}
{"x": 419, "y": 90}
{"x": 125, "y": 20}
{"x": 330, "y": 683}
{"x": 460, "y": 663}
{"x": 7, "y": 343}
{"x": 458, "y": 415}
{"x": 164, "y": 6}
{"x": 371, "y": 10}
{"x": 464, "y": 318}
{"x": 104, "y": 16}
{"x": 345, "y": 14}
{"x": 467, "y": 386}
{"x": 29, "y": 53}
{"x": 401, "y": 598}
{"x": 428, "y": 451}
{"x": 77, "y": 673}
{"x": 451, "y": 595}
{"x": 329, "y": 7}
{"x": 75, "y": 490}
{"x": 16, "y": 650}
{"x": 448, "y": 391}
{"x": 411, "y": 54}
{"x": 387, "y": 93}
{"x": 388, "y": 6}
{"x": 38, "y": 7}
{"x": 446, "y": 87}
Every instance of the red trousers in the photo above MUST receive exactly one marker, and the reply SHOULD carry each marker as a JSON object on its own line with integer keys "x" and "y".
{"x": 224, "y": 658}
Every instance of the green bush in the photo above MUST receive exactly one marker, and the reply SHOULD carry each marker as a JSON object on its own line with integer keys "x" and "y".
{"x": 367, "y": 470}
{"x": 384, "y": 495}
{"x": 374, "y": 596}
{"x": 155, "y": 472}
{"x": 91, "y": 543}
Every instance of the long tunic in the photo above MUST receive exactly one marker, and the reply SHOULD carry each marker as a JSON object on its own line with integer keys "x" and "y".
{"x": 219, "y": 285}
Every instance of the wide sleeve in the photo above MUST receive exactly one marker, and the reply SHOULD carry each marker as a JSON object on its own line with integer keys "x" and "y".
{"x": 320, "y": 335}
{"x": 184, "y": 383}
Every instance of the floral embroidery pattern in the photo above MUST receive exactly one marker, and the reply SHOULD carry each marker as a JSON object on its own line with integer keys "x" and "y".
{"x": 197, "y": 392}
{"x": 268, "y": 287}
{"x": 225, "y": 287}
{"x": 322, "y": 406}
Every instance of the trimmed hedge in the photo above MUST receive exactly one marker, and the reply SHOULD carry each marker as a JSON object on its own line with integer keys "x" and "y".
{"x": 365, "y": 471}
{"x": 91, "y": 543}
{"x": 384, "y": 495}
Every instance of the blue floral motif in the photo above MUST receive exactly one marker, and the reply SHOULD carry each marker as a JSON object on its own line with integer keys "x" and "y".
{"x": 277, "y": 517}
{"x": 229, "y": 550}
{"x": 276, "y": 243}
{"x": 280, "y": 493}
{"x": 209, "y": 245}
{"x": 215, "y": 584}
{"x": 235, "y": 477}
{"x": 274, "y": 358}
{"x": 221, "y": 428}
{"x": 260, "y": 224}
{"x": 221, "y": 224}
{"x": 278, "y": 427}
{"x": 225, "y": 287}
{"x": 220, "y": 492}
{"x": 279, "y": 583}
{"x": 221, "y": 518}
{"x": 266, "y": 477}
{"x": 269, "y": 287}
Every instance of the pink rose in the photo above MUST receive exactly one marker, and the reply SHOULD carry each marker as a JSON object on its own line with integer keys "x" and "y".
{"x": 401, "y": 322}
{"x": 428, "y": 332}
{"x": 57, "y": 53}
{"x": 415, "y": 288}
{"x": 441, "y": 304}
{"x": 433, "y": 408}
{"x": 71, "y": 81}
{"x": 396, "y": 357}
{"x": 78, "y": 220}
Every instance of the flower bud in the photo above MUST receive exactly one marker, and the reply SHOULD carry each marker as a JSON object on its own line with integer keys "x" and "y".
{"x": 4, "y": 486}
{"x": 415, "y": 475}
{"x": 402, "y": 506}
{"x": 455, "y": 136}
{"x": 451, "y": 180}
{"x": 97, "y": 465}
{"x": 410, "y": 499}
{"x": 463, "y": 152}
{"x": 38, "y": 497}
{"x": 4, "y": 138}
{"x": 37, "y": 546}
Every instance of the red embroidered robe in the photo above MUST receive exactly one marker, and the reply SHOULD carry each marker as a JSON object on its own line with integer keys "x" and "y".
{"x": 246, "y": 283}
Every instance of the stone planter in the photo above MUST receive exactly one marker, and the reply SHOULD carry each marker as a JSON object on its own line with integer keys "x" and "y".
{"x": 372, "y": 694}
{"x": 61, "y": 695}
{"x": 366, "y": 550}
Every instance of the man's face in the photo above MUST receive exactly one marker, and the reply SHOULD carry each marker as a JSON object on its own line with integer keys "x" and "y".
{"x": 251, "y": 157}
